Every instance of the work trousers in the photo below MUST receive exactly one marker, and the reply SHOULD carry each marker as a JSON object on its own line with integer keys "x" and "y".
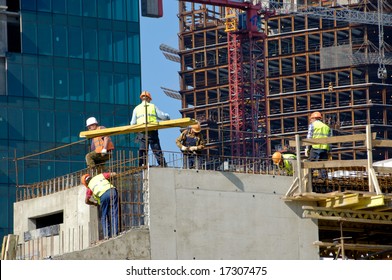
{"x": 109, "y": 213}
{"x": 154, "y": 144}
{"x": 319, "y": 155}
{"x": 93, "y": 158}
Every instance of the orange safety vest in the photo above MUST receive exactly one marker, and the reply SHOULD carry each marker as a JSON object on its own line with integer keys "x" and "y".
{"x": 98, "y": 143}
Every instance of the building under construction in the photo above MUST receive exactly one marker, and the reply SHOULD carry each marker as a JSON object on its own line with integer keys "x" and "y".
{"x": 254, "y": 92}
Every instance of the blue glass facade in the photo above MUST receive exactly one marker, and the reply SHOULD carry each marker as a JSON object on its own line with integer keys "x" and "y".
{"x": 77, "y": 58}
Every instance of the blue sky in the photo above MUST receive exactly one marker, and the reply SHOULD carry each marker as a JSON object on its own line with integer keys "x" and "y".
{"x": 157, "y": 71}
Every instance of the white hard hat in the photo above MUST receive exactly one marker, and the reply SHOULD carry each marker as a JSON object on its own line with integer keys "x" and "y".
{"x": 91, "y": 121}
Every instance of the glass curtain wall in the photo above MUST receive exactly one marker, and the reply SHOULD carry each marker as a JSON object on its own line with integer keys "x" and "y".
{"x": 77, "y": 59}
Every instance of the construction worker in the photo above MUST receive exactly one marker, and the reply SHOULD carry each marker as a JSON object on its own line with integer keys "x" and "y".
{"x": 283, "y": 161}
{"x": 191, "y": 142}
{"x": 101, "y": 146}
{"x": 145, "y": 113}
{"x": 317, "y": 129}
{"x": 104, "y": 194}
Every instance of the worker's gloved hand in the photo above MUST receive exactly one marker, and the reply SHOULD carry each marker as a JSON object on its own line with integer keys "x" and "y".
{"x": 104, "y": 152}
{"x": 193, "y": 148}
{"x": 184, "y": 149}
{"x": 306, "y": 153}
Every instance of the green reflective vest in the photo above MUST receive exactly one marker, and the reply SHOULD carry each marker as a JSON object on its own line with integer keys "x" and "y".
{"x": 141, "y": 111}
{"x": 320, "y": 130}
{"x": 99, "y": 185}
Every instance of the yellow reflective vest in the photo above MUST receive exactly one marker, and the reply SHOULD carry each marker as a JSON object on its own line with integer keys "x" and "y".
{"x": 320, "y": 130}
{"x": 99, "y": 185}
{"x": 141, "y": 111}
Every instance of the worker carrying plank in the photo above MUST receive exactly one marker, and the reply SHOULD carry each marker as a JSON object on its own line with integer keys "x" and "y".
{"x": 145, "y": 113}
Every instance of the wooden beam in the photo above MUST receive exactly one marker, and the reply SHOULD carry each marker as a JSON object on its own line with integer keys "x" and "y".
{"x": 334, "y": 163}
{"x": 382, "y": 143}
{"x": 184, "y": 122}
{"x": 329, "y": 140}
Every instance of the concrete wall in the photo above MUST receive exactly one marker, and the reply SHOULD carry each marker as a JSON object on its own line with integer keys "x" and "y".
{"x": 78, "y": 230}
{"x": 222, "y": 215}
{"x": 195, "y": 215}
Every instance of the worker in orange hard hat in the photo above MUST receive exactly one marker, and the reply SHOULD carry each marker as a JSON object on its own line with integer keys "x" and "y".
{"x": 101, "y": 146}
{"x": 317, "y": 129}
{"x": 191, "y": 142}
{"x": 283, "y": 160}
{"x": 145, "y": 113}
{"x": 100, "y": 191}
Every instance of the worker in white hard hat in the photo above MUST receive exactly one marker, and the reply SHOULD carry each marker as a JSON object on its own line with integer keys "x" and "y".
{"x": 144, "y": 113}
{"x": 191, "y": 142}
{"x": 101, "y": 146}
{"x": 283, "y": 160}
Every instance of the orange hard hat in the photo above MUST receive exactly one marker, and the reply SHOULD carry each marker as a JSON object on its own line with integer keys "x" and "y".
{"x": 196, "y": 128}
{"x": 84, "y": 179}
{"x": 145, "y": 93}
{"x": 315, "y": 115}
{"x": 277, "y": 157}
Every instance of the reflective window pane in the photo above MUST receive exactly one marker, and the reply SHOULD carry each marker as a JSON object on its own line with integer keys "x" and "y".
{"x": 30, "y": 81}
{"x": 75, "y": 7}
{"x": 75, "y": 42}
{"x": 44, "y": 40}
{"x": 60, "y": 40}
{"x": 45, "y": 81}
{"x": 91, "y": 88}
{"x": 14, "y": 80}
{"x": 105, "y": 45}
{"x": 59, "y": 6}
{"x": 90, "y": 44}
{"x": 60, "y": 83}
{"x": 76, "y": 85}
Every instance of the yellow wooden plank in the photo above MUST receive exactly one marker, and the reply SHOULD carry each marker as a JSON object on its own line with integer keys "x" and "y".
{"x": 184, "y": 122}
{"x": 341, "y": 201}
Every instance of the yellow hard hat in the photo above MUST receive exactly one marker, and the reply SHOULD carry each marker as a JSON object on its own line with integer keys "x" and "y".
{"x": 196, "y": 128}
{"x": 84, "y": 179}
{"x": 145, "y": 93}
{"x": 277, "y": 157}
{"x": 316, "y": 115}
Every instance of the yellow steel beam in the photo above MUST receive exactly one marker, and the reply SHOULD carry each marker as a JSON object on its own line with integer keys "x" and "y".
{"x": 341, "y": 201}
{"x": 369, "y": 202}
{"x": 184, "y": 122}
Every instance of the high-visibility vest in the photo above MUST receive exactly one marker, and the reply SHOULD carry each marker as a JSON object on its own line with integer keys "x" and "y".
{"x": 287, "y": 163}
{"x": 141, "y": 113}
{"x": 99, "y": 185}
{"x": 320, "y": 130}
{"x": 99, "y": 143}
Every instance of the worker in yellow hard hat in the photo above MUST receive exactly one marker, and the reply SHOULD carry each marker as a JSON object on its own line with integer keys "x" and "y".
{"x": 100, "y": 191}
{"x": 101, "y": 146}
{"x": 283, "y": 160}
{"x": 147, "y": 112}
{"x": 317, "y": 129}
{"x": 191, "y": 142}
